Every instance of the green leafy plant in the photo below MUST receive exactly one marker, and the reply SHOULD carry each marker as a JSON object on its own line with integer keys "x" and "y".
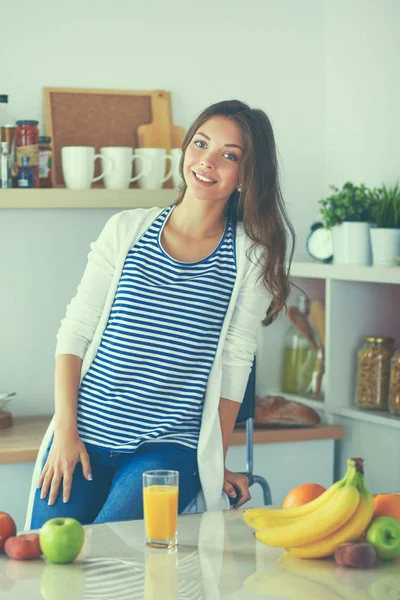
{"x": 351, "y": 203}
{"x": 386, "y": 207}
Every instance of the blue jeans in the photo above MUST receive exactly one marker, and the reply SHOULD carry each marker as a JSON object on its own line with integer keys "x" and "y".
{"x": 115, "y": 493}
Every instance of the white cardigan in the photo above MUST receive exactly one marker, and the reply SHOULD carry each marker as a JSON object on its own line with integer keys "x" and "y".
{"x": 87, "y": 316}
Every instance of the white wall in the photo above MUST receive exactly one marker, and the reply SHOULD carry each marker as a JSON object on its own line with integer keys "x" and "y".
{"x": 325, "y": 72}
{"x": 361, "y": 124}
{"x": 362, "y": 91}
{"x": 42, "y": 257}
{"x": 362, "y": 129}
{"x": 269, "y": 54}
{"x": 264, "y": 52}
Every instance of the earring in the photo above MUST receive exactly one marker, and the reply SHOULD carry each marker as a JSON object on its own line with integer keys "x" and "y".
{"x": 239, "y": 189}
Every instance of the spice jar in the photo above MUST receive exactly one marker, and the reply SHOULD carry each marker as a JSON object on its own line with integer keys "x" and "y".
{"x": 394, "y": 390}
{"x": 45, "y": 156}
{"x": 374, "y": 373}
{"x": 28, "y": 145}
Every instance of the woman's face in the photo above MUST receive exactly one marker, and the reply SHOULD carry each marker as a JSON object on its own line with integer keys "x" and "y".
{"x": 212, "y": 160}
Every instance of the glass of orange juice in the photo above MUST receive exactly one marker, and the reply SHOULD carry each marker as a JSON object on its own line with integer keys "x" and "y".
{"x": 160, "y": 502}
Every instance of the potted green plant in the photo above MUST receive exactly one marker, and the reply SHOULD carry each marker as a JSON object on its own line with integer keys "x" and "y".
{"x": 347, "y": 213}
{"x": 385, "y": 237}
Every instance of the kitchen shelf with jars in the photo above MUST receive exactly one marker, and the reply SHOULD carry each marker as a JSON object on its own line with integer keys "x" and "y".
{"x": 364, "y": 334}
{"x": 354, "y": 310}
{"x": 360, "y": 292}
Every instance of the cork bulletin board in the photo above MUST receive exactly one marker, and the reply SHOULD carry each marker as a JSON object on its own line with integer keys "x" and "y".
{"x": 82, "y": 117}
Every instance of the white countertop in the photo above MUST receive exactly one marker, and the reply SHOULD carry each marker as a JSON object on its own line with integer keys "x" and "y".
{"x": 217, "y": 558}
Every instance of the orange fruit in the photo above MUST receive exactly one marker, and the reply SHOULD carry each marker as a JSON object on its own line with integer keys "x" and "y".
{"x": 387, "y": 505}
{"x": 303, "y": 494}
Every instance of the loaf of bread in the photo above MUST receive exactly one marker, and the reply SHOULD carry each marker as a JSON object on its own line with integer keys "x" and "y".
{"x": 276, "y": 411}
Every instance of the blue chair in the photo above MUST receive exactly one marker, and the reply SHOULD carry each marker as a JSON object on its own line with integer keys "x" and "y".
{"x": 246, "y": 415}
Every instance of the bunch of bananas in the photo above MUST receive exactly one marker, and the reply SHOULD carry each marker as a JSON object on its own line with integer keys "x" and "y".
{"x": 314, "y": 530}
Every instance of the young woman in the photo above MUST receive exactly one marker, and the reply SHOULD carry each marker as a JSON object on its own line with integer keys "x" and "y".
{"x": 155, "y": 350}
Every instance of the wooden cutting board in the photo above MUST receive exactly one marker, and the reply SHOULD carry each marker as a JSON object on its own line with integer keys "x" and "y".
{"x": 161, "y": 133}
{"x": 178, "y": 135}
{"x": 157, "y": 134}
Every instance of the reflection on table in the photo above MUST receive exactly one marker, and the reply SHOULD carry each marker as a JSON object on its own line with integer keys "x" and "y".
{"x": 217, "y": 558}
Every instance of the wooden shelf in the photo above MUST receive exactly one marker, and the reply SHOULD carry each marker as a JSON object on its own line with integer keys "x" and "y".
{"x": 379, "y": 417}
{"x": 92, "y": 198}
{"x": 314, "y": 270}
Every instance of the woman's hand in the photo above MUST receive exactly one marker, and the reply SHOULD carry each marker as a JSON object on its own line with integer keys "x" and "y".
{"x": 66, "y": 451}
{"x": 241, "y": 483}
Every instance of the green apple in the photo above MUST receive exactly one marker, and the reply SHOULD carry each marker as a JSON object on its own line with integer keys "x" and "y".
{"x": 384, "y": 535}
{"x": 61, "y": 540}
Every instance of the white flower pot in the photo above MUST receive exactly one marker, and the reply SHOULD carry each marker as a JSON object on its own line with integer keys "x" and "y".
{"x": 351, "y": 244}
{"x": 385, "y": 246}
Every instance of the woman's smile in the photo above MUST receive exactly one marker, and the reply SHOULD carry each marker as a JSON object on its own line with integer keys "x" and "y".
{"x": 203, "y": 179}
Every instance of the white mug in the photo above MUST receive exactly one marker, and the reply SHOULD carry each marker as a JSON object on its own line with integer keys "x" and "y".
{"x": 120, "y": 175}
{"x": 78, "y": 166}
{"x": 154, "y": 178}
{"x": 176, "y": 154}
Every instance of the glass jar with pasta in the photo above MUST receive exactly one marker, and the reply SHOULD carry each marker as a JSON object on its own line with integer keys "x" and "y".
{"x": 394, "y": 390}
{"x": 374, "y": 373}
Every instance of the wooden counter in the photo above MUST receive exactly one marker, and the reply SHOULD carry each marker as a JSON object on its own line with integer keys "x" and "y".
{"x": 291, "y": 434}
{"x": 20, "y": 443}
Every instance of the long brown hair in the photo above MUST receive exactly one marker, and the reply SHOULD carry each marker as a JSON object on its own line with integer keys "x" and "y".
{"x": 259, "y": 205}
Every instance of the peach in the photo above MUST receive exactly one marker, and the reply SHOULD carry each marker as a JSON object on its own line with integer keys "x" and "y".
{"x": 7, "y": 528}
{"x": 23, "y": 547}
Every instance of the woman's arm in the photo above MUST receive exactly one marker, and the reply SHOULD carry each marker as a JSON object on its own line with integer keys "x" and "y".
{"x": 66, "y": 385}
{"x": 74, "y": 336}
{"x": 228, "y": 411}
{"x": 238, "y": 355}
{"x": 234, "y": 483}
{"x": 240, "y": 344}
{"x": 67, "y": 448}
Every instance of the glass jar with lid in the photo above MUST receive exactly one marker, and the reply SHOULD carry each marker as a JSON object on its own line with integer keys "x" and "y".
{"x": 374, "y": 373}
{"x": 45, "y": 156}
{"x": 28, "y": 145}
{"x": 394, "y": 390}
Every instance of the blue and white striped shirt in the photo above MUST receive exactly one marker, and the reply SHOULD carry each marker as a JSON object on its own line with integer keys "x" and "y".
{"x": 148, "y": 380}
